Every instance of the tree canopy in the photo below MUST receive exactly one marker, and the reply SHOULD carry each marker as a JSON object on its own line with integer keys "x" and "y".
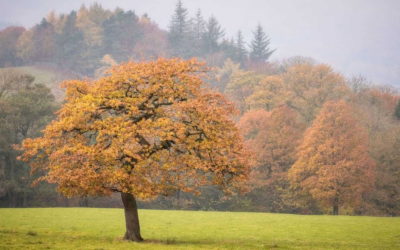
{"x": 25, "y": 107}
{"x": 146, "y": 129}
{"x": 333, "y": 164}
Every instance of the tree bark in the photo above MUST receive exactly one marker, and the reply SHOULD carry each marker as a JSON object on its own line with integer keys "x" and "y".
{"x": 131, "y": 218}
{"x": 335, "y": 209}
{"x": 84, "y": 201}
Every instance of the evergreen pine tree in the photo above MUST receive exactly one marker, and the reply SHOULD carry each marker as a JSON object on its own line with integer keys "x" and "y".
{"x": 260, "y": 51}
{"x": 229, "y": 48}
{"x": 198, "y": 27}
{"x": 241, "y": 52}
{"x": 213, "y": 34}
{"x": 179, "y": 31}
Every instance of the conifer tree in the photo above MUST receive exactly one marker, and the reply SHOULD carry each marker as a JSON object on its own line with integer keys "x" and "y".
{"x": 260, "y": 51}
{"x": 241, "y": 52}
{"x": 212, "y": 35}
{"x": 229, "y": 48}
{"x": 198, "y": 27}
{"x": 179, "y": 31}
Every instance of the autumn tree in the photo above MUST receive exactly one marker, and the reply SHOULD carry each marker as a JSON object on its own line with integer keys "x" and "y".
{"x": 333, "y": 163}
{"x": 153, "y": 43}
{"x": 292, "y": 61}
{"x": 267, "y": 94}
{"x": 303, "y": 87}
{"x": 224, "y": 74}
{"x": 146, "y": 129}
{"x": 308, "y": 87}
{"x": 90, "y": 21}
{"x": 385, "y": 198}
{"x": 375, "y": 105}
{"x": 241, "y": 85}
{"x": 273, "y": 136}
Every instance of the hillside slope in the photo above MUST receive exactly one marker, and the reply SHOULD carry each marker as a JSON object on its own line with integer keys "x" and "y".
{"x": 48, "y": 76}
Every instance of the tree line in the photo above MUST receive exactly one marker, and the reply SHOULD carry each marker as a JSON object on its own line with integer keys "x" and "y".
{"x": 78, "y": 41}
{"x": 321, "y": 142}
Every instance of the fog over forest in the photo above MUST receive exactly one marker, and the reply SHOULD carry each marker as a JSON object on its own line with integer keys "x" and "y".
{"x": 287, "y": 106}
{"x": 356, "y": 37}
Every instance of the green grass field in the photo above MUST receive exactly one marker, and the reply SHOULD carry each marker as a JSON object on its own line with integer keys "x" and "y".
{"x": 101, "y": 228}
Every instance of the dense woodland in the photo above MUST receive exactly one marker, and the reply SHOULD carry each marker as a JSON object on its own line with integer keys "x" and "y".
{"x": 78, "y": 42}
{"x": 321, "y": 143}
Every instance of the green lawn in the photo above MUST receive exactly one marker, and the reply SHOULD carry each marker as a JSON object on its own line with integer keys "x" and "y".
{"x": 101, "y": 228}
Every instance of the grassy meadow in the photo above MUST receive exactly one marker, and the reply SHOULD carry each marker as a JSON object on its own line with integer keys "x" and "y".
{"x": 102, "y": 228}
{"x": 48, "y": 77}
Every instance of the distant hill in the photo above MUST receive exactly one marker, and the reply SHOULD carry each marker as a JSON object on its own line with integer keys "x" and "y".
{"x": 50, "y": 77}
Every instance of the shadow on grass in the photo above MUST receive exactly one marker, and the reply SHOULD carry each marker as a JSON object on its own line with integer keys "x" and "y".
{"x": 175, "y": 241}
{"x": 206, "y": 243}
{"x": 54, "y": 240}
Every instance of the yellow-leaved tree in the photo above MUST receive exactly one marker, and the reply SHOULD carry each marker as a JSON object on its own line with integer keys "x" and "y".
{"x": 308, "y": 87}
{"x": 145, "y": 129}
{"x": 333, "y": 163}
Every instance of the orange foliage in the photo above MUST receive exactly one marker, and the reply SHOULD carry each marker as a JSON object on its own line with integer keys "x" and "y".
{"x": 333, "y": 163}
{"x": 274, "y": 137}
{"x": 153, "y": 43}
{"x": 385, "y": 100}
{"x": 310, "y": 86}
{"x": 147, "y": 129}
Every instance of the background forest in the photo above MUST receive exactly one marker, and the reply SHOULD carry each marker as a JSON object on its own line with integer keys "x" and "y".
{"x": 320, "y": 141}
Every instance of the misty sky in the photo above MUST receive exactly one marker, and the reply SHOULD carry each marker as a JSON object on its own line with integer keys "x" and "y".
{"x": 357, "y": 37}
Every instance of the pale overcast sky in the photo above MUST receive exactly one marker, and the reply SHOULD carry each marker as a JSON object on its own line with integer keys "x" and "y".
{"x": 354, "y": 36}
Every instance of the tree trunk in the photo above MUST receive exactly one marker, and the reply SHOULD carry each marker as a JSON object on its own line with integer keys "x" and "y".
{"x": 84, "y": 201}
{"x": 131, "y": 218}
{"x": 335, "y": 210}
{"x": 178, "y": 199}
